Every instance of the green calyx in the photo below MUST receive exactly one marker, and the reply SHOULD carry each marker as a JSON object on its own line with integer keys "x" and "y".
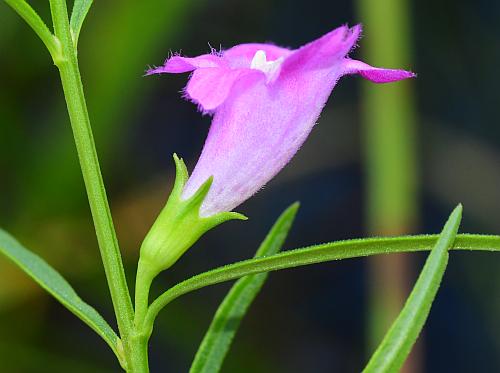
{"x": 179, "y": 224}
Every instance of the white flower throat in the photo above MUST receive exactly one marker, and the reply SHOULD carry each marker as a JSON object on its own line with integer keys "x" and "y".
{"x": 270, "y": 68}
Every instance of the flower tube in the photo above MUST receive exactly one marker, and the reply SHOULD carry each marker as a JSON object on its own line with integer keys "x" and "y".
{"x": 265, "y": 101}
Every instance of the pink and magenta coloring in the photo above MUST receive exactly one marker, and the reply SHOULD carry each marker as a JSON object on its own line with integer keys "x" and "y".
{"x": 265, "y": 100}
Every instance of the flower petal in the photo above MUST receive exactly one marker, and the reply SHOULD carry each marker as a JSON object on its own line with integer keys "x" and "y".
{"x": 324, "y": 52}
{"x": 242, "y": 54}
{"x": 178, "y": 64}
{"x": 210, "y": 87}
{"x": 375, "y": 74}
{"x": 255, "y": 133}
{"x": 265, "y": 105}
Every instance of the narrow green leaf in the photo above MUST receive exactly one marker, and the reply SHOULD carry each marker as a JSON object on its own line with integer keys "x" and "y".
{"x": 36, "y": 23}
{"x": 397, "y": 343}
{"x": 57, "y": 286}
{"x": 318, "y": 254}
{"x": 217, "y": 340}
{"x": 80, "y": 10}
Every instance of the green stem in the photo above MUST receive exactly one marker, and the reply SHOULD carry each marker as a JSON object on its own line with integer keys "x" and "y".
{"x": 138, "y": 353}
{"x": 106, "y": 236}
{"x": 143, "y": 283}
{"x": 390, "y": 159}
{"x": 35, "y": 22}
{"x": 140, "y": 334}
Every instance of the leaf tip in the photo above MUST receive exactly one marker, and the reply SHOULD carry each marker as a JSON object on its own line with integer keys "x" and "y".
{"x": 293, "y": 208}
{"x": 457, "y": 212}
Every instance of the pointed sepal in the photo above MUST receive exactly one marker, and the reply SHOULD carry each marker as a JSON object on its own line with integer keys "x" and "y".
{"x": 179, "y": 224}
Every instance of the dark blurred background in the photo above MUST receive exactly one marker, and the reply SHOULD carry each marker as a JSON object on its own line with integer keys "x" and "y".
{"x": 311, "y": 319}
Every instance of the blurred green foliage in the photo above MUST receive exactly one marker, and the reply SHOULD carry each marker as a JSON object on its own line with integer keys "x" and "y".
{"x": 297, "y": 324}
{"x": 37, "y": 147}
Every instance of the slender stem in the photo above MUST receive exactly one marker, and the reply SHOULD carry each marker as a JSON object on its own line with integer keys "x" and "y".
{"x": 141, "y": 332}
{"x": 390, "y": 161}
{"x": 389, "y": 120}
{"x": 106, "y": 236}
{"x": 138, "y": 354}
{"x": 143, "y": 282}
{"x": 35, "y": 22}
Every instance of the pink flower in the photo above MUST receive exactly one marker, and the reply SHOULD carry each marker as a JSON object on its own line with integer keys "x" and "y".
{"x": 265, "y": 100}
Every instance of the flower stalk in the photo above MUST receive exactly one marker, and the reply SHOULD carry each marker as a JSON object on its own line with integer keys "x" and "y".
{"x": 178, "y": 226}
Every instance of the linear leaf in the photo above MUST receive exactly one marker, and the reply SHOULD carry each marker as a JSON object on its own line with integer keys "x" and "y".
{"x": 318, "y": 254}
{"x": 35, "y": 22}
{"x": 80, "y": 10}
{"x": 397, "y": 343}
{"x": 49, "y": 279}
{"x": 217, "y": 340}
